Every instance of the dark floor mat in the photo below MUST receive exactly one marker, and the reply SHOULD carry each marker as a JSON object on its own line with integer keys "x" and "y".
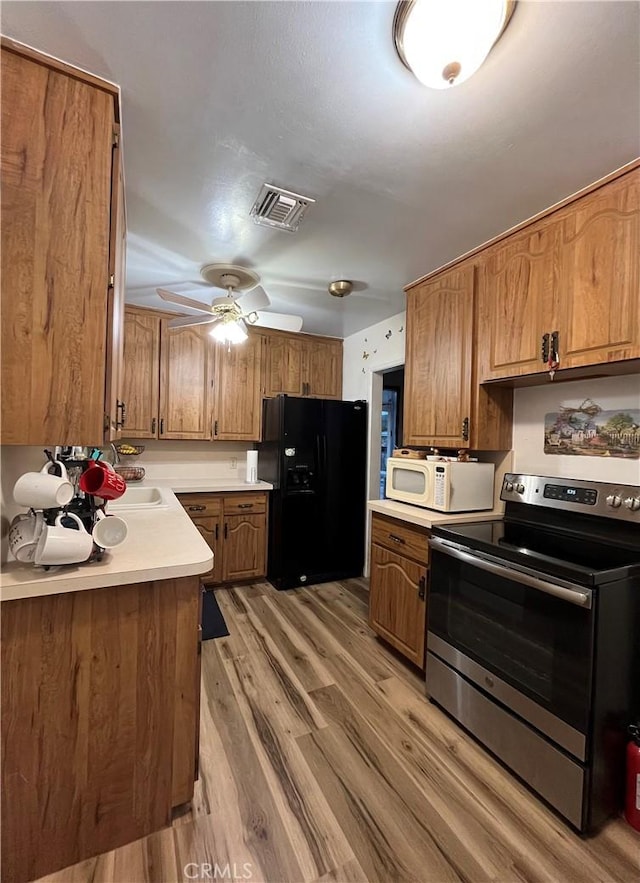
{"x": 213, "y": 624}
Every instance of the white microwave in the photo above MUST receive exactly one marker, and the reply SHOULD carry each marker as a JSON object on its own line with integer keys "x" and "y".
{"x": 440, "y": 485}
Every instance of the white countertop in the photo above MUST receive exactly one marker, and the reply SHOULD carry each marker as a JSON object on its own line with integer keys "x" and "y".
{"x": 204, "y": 485}
{"x": 429, "y": 517}
{"x": 162, "y": 543}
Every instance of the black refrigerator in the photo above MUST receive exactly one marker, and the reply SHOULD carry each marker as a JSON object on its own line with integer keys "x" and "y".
{"x": 314, "y": 453}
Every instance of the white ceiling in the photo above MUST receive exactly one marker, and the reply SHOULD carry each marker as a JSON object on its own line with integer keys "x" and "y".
{"x": 219, "y": 97}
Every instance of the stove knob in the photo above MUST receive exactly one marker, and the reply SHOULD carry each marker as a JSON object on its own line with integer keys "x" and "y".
{"x": 508, "y": 485}
{"x": 632, "y": 503}
{"x": 520, "y": 488}
{"x": 614, "y": 500}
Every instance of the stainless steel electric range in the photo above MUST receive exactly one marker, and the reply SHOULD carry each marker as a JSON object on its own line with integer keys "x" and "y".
{"x": 534, "y": 635}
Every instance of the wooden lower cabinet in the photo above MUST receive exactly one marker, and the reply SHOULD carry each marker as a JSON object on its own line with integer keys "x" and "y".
{"x": 100, "y": 719}
{"x": 235, "y": 527}
{"x": 398, "y": 586}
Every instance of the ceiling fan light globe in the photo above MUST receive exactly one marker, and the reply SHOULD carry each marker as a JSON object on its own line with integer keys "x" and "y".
{"x": 228, "y": 332}
{"x": 444, "y": 42}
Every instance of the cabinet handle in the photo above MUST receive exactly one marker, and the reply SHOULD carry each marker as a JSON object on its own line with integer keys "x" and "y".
{"x": 226, "y": 530}
{"x": 465, "y": 429}
{"x": 422, "y": 588}
{"x": 217, "y": 530}
{"x": 120, "y": 406}
{"x": 162, "y": 426}
{"x": 544, "y": 353}
{"x": 555, "y": 346}
{"x": 153, "y": 426}
{"x": 396, "y": 539}
{"x": 215, "y": 428}
{"x": 197, "y": 508}
{"x": 245, "y": 505}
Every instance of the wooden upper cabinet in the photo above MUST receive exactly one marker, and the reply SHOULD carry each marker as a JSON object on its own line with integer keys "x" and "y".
{"x": 237, "y": 382}
{"x": 303, "y": 365}
{"x": 598, "y": 284}
{"x": 141, "y": 382}
{"x": 114, "y": 392}
{"x": 516, "y": 302}
{"x": 574, "y": 274}
{"x": 323, "y": 368}
{"x": 185, "y": 380}
{"x": 284, "y": 367}
{"x": 57, "y": 157}
{"x": 438, "y": 360}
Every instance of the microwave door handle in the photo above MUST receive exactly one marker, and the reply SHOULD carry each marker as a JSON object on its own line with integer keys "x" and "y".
{"x": 573, "y": 596}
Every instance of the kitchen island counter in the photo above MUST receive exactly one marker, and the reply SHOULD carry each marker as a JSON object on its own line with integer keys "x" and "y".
{"x": 161, "y": 544}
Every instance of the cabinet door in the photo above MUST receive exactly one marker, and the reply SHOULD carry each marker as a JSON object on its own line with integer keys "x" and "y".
{"x": 56, "y": 166}
{"x": 238, "y": 391}
{"x": 323, "y": 369}
{"x": 185, "y": 377}
{"x": 397, "y": 602}
{"x": 598, "y": 284}
{"x": 437, "y": 398}
{"x": 210, "y": 530}
{"x": 515, "y": 287}
{"x": 283, "y": 365}
{"x": 141, "y": 373}
{"x": 245, "y": 547}
{"x": 114, "y": 394}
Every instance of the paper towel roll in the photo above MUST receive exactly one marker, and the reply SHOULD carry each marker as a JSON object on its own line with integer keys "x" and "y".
{"x": 252, "y": 467}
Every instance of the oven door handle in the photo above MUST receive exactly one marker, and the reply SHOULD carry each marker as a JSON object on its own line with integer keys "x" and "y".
{"x": 565, "y": 593}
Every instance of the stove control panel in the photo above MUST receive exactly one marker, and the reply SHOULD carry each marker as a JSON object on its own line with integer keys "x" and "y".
{"x": 587, "y": 496}
{"x": 592, "y": 497}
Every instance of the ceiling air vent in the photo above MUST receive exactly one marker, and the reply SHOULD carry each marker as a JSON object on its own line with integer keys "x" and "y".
{"x": 280, "y": 208}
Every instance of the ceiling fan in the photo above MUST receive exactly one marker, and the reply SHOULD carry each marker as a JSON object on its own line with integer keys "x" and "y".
{"x": 231, "y": 313}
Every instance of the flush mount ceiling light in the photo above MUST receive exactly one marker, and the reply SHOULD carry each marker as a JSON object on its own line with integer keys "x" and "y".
{"x": 444, "y": 42}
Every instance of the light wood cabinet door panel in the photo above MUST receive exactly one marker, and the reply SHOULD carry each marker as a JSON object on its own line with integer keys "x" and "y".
{"x": 238, "y": 391}
{"x": 141, "y": 373}
{"x": 56, "y": 166}
{"x": 283, "y": 365}
{"x": 598, "y": 284}
{"x": 114, "y": 393}
{"x": 438, "y": 360}
{"x": 516, "y": 305}
{"x": 323, "y": 369}
{"x": 210, "y": 530}
{"x": 185, "y": 378}
{"x": 397, "y": 602}
{"x": 245, "y": 547}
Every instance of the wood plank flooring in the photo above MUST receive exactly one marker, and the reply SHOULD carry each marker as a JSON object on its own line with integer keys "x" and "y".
{"x": 322, "y": 760}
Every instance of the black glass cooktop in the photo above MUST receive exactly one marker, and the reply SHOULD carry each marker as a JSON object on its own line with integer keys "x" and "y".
{"x": 586, "y": 559}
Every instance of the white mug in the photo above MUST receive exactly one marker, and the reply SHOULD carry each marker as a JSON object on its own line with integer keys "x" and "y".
{"x": 64, "y": 545}
{"x": 24, "y": 535}
{"x": 109, "y": 530}
{"x": 40, "y": 490}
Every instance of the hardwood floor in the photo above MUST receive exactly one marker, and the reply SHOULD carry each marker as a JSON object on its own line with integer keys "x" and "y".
{"x": 321, "y": 760}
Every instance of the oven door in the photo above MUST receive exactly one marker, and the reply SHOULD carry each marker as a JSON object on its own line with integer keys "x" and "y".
{"x": 522, "y": 637}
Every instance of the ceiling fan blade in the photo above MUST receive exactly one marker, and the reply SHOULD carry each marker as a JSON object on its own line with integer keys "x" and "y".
{"x": 279, "y": 321}
{"x": 254, "y": 300}
{"x": 186, "y": 321}
{"x": 175, "y": 298}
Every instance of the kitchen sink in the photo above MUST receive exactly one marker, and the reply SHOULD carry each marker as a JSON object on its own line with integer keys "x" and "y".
{"x": 138, "y": 498}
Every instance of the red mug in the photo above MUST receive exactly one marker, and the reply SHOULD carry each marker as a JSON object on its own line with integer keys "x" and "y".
{"x": 101, "y": 482}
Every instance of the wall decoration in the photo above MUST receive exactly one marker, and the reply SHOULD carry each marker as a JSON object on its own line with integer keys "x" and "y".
{"x": 589, "y": 430}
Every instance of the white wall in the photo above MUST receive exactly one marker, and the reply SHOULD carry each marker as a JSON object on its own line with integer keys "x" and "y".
{"x": 383, "y": 350}
{"x": 532, "y": 403}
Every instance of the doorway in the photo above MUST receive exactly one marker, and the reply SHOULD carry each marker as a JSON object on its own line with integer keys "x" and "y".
{"x": 390, "y": 420}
